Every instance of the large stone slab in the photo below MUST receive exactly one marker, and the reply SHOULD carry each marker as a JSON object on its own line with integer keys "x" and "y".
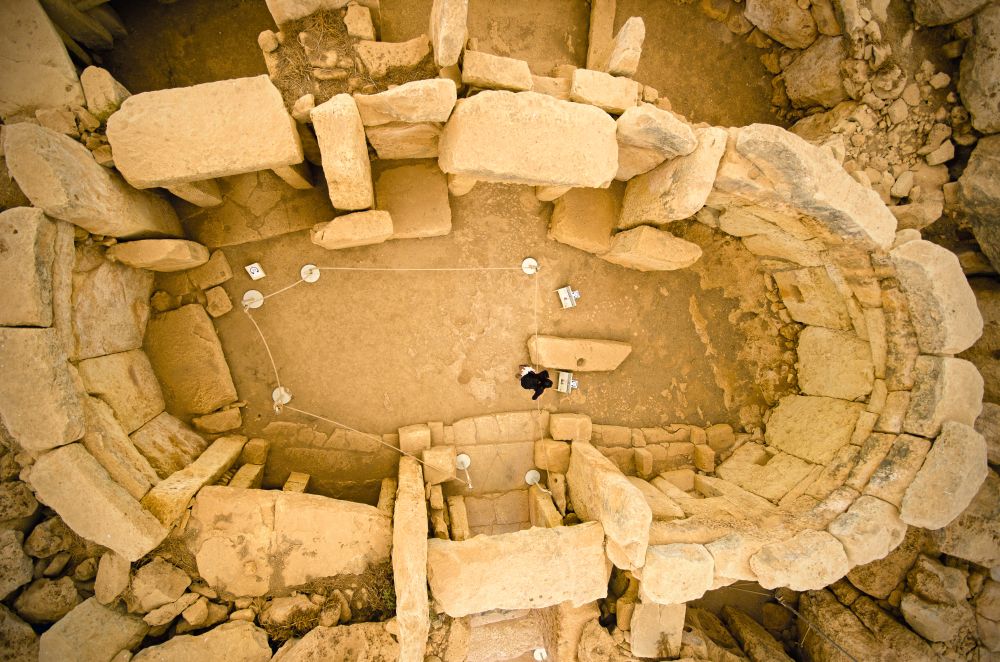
{"x": 808, "y": 561}
{"x": 835, "y": 364}
{"x": 979, "y": 76}
{"x": 429, "y": 100}
{"x": 813, "y": 78}
{"x": 578, "y": 354}
{"x": 941, "y": 303}
{"x": 894, "y": 474}
{"x": 529, "y": 138}
{"x": 108, "y": 443}
{"x": 678, "y": 188}
{"x": 89, "y": 633}
{"x": 167, "y": 444}
{"x": 60, "y": 176}
{"x": 528, "y": 569}
{"x": 812, "y": 298}
{"x": 37, "y": 70}
{"x": 26, "y": 266}
{"x": 614, "y": 94}
{"x": 341, "y": 136}
{"x": 584, "y": 218}
{"x": 646, "y": 248}
{"x": 945, "y": 389}
{"x": 238, "y": 641}
{"x": 362, "y": 228}
{"x": 125, "y": 381}
{"x": 170, "y": 497}
{"x": 251, "y": 542}
{"x": 188, "y": 134}
{"x": 409, "y": 561}
{"x": 448, "y": 30}
{"x": 495, "y": 72}
{"x": 811, "y": 427}
{"x": 973, "y": 534}
{"x": 187, "y": 358}
{"x": 869, "y": 530}
{"x": 783, "y": 20}
{"x": 160, "y": 254}
{"x": 649, "y": 127}
{"x": 39, "y": 402}
{"x": 599, "y": 491}
{"x": 71, "y": 482}
{"x": 674, "y": 574}
{"x": 952, "y": 473}
{"x": 405, "y": 140}
{"x": 416, "y": 197}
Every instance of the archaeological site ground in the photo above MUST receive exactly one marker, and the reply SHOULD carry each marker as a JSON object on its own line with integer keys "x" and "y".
{"x": 278, "y": 279}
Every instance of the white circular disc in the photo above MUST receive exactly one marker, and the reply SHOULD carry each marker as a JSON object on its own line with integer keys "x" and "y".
{"x": 529, "y": 265}
{"x": 463, "y": 461}
{"x": 281, "y": 396}
{"x": 532, "y": 477}
{"x": 253, "y": 299}
{"x": 540, "y": 654}
{"x": 309, "y": 273}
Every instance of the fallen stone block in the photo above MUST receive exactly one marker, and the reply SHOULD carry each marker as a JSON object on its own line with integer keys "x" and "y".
{"x": 649, "y": 127}
{"x": 951, "y": 475}
{"x": 599, "y": 491}
{"x": 657, "y": 629}
{"x": 37, "y": 71}
{"x": 360, "y": 641}
{"x": 341, "y": 137}
{"x": 416, "y": 199}
{"x": 977, "y": 80}
{"x": 188, "y": 360}
{"x": 112, "y": 578}
{"x": 674, "y": 574}
{"x": 403, "y": 140}
{"x": 429, "y": 100}
{"x": 108, "y": 443}
{"x": 973, "y": 534}
{"x": 449, "y": 30}
{"x": 60, "y": 176}
{"x": 217, "y": 302}
{"x": 811, "y": 427}
{"x": 584, "y": 218}
{"x": 570, "y": 427}
{"x": 71, "y": 482}
{"x": 214, "y": 272}
{"x": 167, "y": 444}
{"x": 579, "y": 354}
{"x": 381, "y": 57}
{"x": 170, "y": 497}
{"x": 613, "y": 94}
{"x": 189, "y": 134}
{"x": 160, "y": 254}
{"x": 626, "y": 48}
{"x": 941, "y": 303}
{"x": 869, "y": 530}
{"x": 26, "y": 266}
{"x": 808, "y": 561}
{"x": 358, "y": 20}
{"x": 409, "y": 560}
{"x": 945, "y": 389}
{"x": 104, "y": 94}
{"x": 835, "y": 364}
{"x": 494, "y": 72}
{"x": 783, "y": 21}
{"x": 91, "y": 632}
{"x": 238, "y": 640}
{"x": 894, "y": 474}
{"x": 528, "y": 569}
{"x": 40, "y": 405}
{"x": 529, "y": 138}
{"x": 126, "y": 382}
{"x": 361, "y": 228}
{"x": 646, "y": 248}
{"x": 771, "y": 476}
{"x": 251, "y": 542}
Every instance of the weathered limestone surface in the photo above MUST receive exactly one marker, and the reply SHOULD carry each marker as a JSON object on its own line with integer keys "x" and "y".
{"x": 783, "y": 21}
{"x": 600, "y": 492}
{"x": 869, "y": 530}
{"x": 40, "y": 405}
{"x": 91, "y": 632}
{"x": 626, "y": 49}
{"x": 941, "y": 303}
{"x": 614, "y": 94}
{"x": 409, "y": 561}
{"x": 405, "y": 140}
{"x": 108, "y": 443}
{"x": 15, "y": 566}
{"x": 238, "y": 641}
{"x": 187, "y": 358}
{"x": 524, "y": 570}
{"x": 951, "y": 475}
{"x": 341, "y": 136}
{"x": 674, "y": 574}
{"x": 71, "y": 482}
{"x": 835, "y": 364}
{"x": 943, "y": 12}
{"x": 160, "y": 254}
{"x": 646, "y": 248}
{"x": 112, "y": 577}
{"x": 812, "y": 428}
{"x": 584, "y": 218}
{"x": 766, "y": 475}
{"x": 894, "y": 474}
{"x": 26, "y": 267}
{"x": 980, "y": 195}
{"x": 60, "y": 176}
{"x": 812, "y": 298}
{"x": 800, "y": 179}
{"x": 973, "y": 534}
{"x": 429, "y": 100}
{"x": 650, "y": 127}
{"x": 361, "y": 228}
{"x": 250, "y": 542}
{"x": 808, "y": 561}
{"x": 529, "y": 138}
{"x": 988, "y": 425}
{"x": 678, "y": 188}
{"x": 416, "y": 197}
{"x": 657, "y": 629}
{"x": 167, "y": 444}
{"x": 978, "y": 82}
{"x": 879, "y": 578}
{"x": 579, "y": 354}
{"x": 37, "y": 70}
{"x": 216, "y": 129}
{"x": 370, "y": 642}
{"x": 813, "y": 78}
{"x": 170, "y": 497}
{"x": 570, "y": 427}
{"x": 379, "y": 57}
{"x": 104, "y": 94}
{"x": 448, "y": 30}
{"x": 946, "y": 389}
{"x": 495, "y": 72}
{"x": 19, "y": 639}
{"x": 125, "y": 381}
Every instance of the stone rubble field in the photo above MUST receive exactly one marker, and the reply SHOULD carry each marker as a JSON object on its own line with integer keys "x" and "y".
{"x": 140, "y": 519}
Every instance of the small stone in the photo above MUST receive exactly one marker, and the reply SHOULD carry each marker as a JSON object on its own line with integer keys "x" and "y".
{"x": 112, "y": 577}
{"x": 358, "y": 21}
{"x": 47, "y": 600}
{"x": 217, "y": 302}
{"x": 156, "y": 584}
{"x": 268, "y": 41}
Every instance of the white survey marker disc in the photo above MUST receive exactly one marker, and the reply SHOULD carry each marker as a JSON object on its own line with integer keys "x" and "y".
{"x": 462, "y": 461}
{"x": 532, "y": 477}
{"x": 281, "y": 396}
{"x": 529, "y": 265}
{"x": 309, "y": 273}
{"x": 253, "y": 299}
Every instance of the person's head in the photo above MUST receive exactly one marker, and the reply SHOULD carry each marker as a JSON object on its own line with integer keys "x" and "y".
{"x": 525, "y": 369}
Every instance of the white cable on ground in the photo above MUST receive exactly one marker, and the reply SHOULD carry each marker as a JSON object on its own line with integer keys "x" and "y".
{"x": 284, "y": 289}
{"x": 266, "y": 346}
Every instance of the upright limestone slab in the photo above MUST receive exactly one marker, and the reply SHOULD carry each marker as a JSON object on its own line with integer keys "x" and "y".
{"x": 28, "y": 240}
{"x": 580, "y": 354}
{"x": 529, "y": 138}
{"x": 448, "y": 30}
{"x": 341, "y": 137}
{"x": 187, "y": 134}
{"x": 409, "y": 561}
{"x": 60, "y": 176}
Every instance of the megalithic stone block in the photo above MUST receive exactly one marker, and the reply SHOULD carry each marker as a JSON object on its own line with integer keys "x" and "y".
{"x": 577, "y": 354}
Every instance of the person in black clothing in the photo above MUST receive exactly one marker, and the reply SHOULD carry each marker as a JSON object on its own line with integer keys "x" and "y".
{"x": 535, "y": 381}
